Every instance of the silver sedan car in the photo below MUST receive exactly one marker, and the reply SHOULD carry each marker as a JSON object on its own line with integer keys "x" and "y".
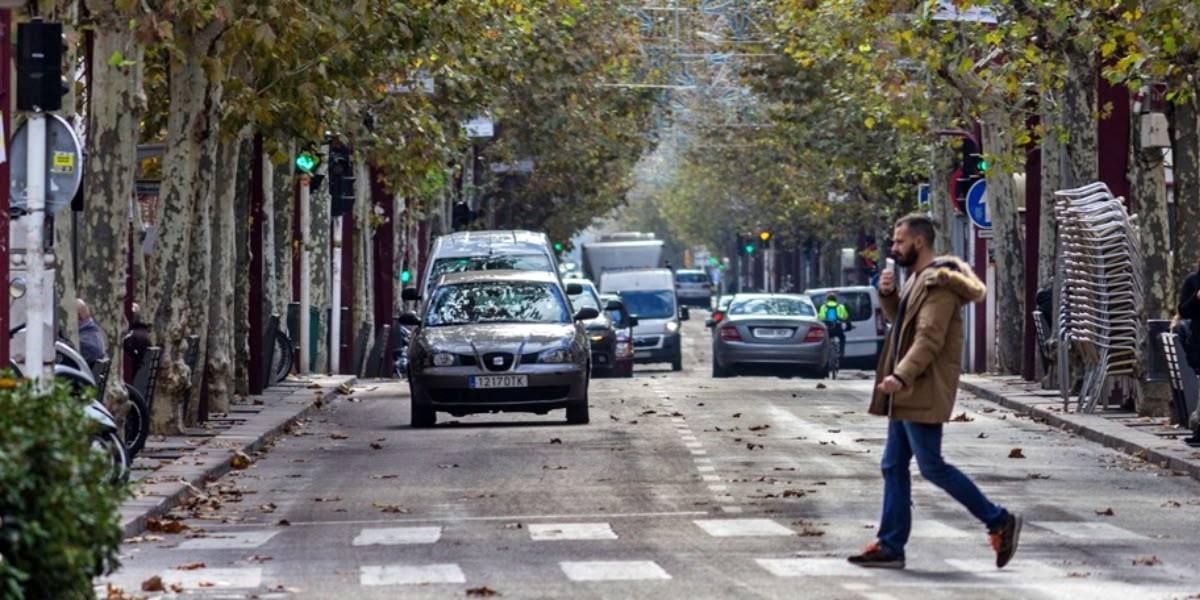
{"x": 498, "y": 341}
{"x": 770, "y": 330}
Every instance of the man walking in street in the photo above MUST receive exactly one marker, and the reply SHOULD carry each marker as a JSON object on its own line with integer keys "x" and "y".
{"x": 916, "y": 383}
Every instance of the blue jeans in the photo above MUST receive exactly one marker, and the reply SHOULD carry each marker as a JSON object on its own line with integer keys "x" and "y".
{"x": 904, "y": 441}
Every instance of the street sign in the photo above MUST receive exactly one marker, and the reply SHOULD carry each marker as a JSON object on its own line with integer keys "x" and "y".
{"x": 977, "y": 205}
{"x": 64, "y": 165}
{"x": 946, "y": 10}
{"x": 922, "y": 194}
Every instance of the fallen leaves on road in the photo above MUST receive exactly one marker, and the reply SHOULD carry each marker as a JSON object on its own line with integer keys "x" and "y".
{"x": 650, "y": 411}
{"x": 982, "y": 435}
{"x": 1108, "y": 512}
{"x": 260, "y": 558}
{"x": 482, "y": 590}
{"x": 337, "y": 435}
{"x": 327, "y": 499}
{"x": 1147, "y": 561}
{"x": 553, "y": 468}
{"x": 759, "y": 427}
{"x": 820, "y": 386}
{"x": 513, "y": 526}
{"x": 794, "y": 493}
{"x": 835, "y": 431}
{"x": 448, "y": 466}
{"x": 737, "y": 415}
{"x": 268, "y": 507}
{"x": 154, "y": 584}
{"x": 676, "y": 414}
{"x": 987, "y": 410}
{"x": 391, "y": 508}
{"x": 962, "y": 418}
{"x": 555, "y": 441}
{"x": 191, "y": 566}
{"x": 752, "y": 446}
{"x": 1016, "y": 453}
{"x": 165, "y": 525}
{"x": 345, "y": 390}
{"x": 376, "y": 446}
{"x": 240, "y": 460}
{"x": 385, "y": 476}
{"x": 137, "y": 539}
{"x": 1038, "y": 476}
{"x": 1171, "y": 504}
{"x": 283, "y": 523}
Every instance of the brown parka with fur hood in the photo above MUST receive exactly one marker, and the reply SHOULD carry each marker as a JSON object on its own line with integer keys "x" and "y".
{"x": 928, "y": 355}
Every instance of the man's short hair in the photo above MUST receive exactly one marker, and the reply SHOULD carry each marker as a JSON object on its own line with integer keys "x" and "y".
{"x": 830, "y": 296}
{"x": 919, "y": 225}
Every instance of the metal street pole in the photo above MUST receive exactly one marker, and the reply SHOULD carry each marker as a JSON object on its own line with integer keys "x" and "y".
{"x": 305, "y": 274}
{"x": 39, "y": 300}
{"x": 5, "y": 127}
{"x": 335, "y": 326}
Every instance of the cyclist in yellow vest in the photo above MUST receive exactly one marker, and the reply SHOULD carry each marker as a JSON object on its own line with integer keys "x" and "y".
{"x": 836, "y": 319}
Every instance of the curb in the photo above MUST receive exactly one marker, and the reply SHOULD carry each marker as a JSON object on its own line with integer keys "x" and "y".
{"x": 1094, "y": 428}
{"x": 160, "y": 498}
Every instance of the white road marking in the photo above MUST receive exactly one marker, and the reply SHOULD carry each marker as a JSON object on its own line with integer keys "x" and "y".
{"x": 742, "y": 527}
{"x": 1088, "y": 530}
{"x": 693, "y": 444}
{"x": 939, "y": 530}
{"x": 571, "y": 531}
{"x": 245, "y": 577}
{"x": 393, "y": 536}
{"x": 706, "y": 468}
{"x": 699, "y": 452}
{"x": 1018, "y": 569}
{"x": 719, "y": 488}
{"x": 733, "y": 510}
{"x": 812, "y": 567}
{"x": 222, "y": 541}
{"x": 613, "y": 570}
{"x": 856, "y": 587}
{"x": 410, "y": 574}
{"x": 564, "y": 517}
{"x": 703, "y": 461}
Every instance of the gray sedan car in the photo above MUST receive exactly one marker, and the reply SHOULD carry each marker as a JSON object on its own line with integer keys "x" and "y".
{"x": 498, "y": 341}
{"x": 772, "y": 330}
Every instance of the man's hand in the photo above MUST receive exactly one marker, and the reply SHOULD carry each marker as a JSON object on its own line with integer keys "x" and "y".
{"x": 890, "y": 385}
{"x": 887, "y": 282}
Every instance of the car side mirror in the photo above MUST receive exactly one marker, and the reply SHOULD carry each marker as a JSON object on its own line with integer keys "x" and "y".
{"x": 586, "y": 313}
{"x": 684, "y": 314}
{"x": 614, "y": 305}
{"x": 633, "y": 321}
{"x": 410, "y": 294}
{"x": 574, "y": 289}
{"x": 710, "y": 323}
{"x": 410, "y": 318}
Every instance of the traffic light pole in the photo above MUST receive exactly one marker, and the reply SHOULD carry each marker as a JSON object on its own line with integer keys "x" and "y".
{"x": 38, "y": 298}
{"x": 305, "y": 274}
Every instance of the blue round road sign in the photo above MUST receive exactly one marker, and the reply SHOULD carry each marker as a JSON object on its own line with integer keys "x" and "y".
{"x": 977, "y": 205}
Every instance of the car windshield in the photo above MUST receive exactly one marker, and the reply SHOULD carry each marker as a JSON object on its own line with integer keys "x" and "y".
{"x": 650, "y": 304}
{"x": 497, "y": 262}
{"x": 496, "y": 302}
{"x": 691, "y": 278}
{"x": 783, "y": 307}
{"x": 858, "y": 304}
{"x": 585, "y": 300}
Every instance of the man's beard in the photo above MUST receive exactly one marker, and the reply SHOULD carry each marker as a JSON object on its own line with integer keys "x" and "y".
{"x": 908, "y": 258}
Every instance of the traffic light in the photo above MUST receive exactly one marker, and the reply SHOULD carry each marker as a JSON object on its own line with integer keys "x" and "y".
{"x": 307, "y": 162}
{"x": 341, "y": 180}
{"x": 764, "y": 240}
{"x": 462, "y": 215}
{"x": 405, "y": 275}
{"x": 558, "y": 247}
{"x": 40, "y": 83}
{"x": 973, "y": 167}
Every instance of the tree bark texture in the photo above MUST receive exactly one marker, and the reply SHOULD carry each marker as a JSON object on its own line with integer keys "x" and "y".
{"x": 170, "y": 297}
{"x": 1079, "y": 102}
{"x": 1007, "y": 248}
{"x": 116, "y": 103}
{"x": 1052, "y": 161}
{"x": 280, "y": 252}
{"x": 241, "y": 241}
{"x": 1185, "y": 146}
{"x": 322, "y": 262}
{"x": 940, "y": 205}
{"x": 219, "y": 368}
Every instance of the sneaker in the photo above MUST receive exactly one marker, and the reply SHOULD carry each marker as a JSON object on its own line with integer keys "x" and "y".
{"x": 874, "y": 556}
{"x": 1005, "y": 539}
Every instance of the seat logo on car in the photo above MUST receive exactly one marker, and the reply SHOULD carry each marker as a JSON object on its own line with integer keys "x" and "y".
{"x": 498, "y": 361}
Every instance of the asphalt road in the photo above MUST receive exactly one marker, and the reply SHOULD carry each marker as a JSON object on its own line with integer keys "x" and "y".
{"x": 681, "y": 487}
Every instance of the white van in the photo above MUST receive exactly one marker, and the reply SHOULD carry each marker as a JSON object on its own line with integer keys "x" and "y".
{"x": 494, "y": 250}
{"x": 865, "y": 340}
{"x": 649, "y": 294}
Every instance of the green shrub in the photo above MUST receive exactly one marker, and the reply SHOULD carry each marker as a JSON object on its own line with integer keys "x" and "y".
{"x": 59, "y": 519}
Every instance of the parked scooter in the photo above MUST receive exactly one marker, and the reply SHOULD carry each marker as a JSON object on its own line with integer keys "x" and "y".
{"x": 400, "y": 353}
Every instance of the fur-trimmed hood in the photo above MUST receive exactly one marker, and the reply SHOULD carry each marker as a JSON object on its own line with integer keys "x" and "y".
{"x": 955, "y": 274}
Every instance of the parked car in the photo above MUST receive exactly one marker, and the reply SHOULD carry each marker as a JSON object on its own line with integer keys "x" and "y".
{"x": 623, "y": 322}
{"x": 464, "y": 251}
{"x": 778, "y": 330}
{"x": 650, "y": 296}
{"x": 693, "y": 287}
{"x": 865, "y": 338}
{"x": 496, "y": 341}
{"x": 601, "y": 333}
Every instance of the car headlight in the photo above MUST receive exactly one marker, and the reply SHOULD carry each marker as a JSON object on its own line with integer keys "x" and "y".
{"x": 16, "y": 287}
{"x": 624, "y": 349}
{"x": 596, "y": 337}
{"x": 672, "y": 326}
{"x": 444, "y": 359}
{"x": 554, "y": 355}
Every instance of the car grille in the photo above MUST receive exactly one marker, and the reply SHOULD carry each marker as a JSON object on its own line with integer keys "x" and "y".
{"x": 503, "y": 395}
{"x": 466, "y": 360}
{"x": 645, "y": 341}
{"x": 497, "y": 361}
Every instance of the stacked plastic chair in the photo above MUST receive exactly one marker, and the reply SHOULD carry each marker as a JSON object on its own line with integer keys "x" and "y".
{"x": 1101, "y": 322}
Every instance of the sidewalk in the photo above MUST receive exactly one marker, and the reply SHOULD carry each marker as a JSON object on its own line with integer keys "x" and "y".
{"x": 1151, "y": 439}
{"x": 163, "y": 471}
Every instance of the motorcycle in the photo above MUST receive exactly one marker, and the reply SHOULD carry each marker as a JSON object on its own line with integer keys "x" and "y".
{"x": 400, "y": 353}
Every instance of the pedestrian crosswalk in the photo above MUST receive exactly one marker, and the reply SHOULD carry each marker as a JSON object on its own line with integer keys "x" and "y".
{"x": 388, "y": 555}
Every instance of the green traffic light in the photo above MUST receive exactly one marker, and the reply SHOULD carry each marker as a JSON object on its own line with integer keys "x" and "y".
{"x": 749, "y": 248}
{"x": 982, "y": 165}
{"x": 306, "y": 162}
{"x": 558, "y": 247}
{"x": 405, "y": 276}
{"x": 712, "y": 260}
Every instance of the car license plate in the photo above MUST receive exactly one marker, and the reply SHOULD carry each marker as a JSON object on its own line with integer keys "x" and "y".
{"x": 483, "y": 382}
{"x": 764, "y": 332}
